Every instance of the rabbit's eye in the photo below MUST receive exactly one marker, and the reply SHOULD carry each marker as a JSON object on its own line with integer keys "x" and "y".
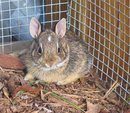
{"x": 39, "y": 50}
{"x": 59, "y": 50}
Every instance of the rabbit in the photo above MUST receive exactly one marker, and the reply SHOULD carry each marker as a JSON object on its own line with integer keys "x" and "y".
{"x": 57, "y": 57}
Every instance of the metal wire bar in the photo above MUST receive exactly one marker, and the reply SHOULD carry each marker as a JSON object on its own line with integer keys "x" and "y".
{"x": 17, "y": 11}
{"x": 97, "y": 33}
{"x": 112, "y": 69}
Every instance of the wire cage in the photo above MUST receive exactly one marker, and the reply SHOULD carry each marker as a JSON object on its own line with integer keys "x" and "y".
{"x": 15, "y": 16}
{"x": 103, "y": 24}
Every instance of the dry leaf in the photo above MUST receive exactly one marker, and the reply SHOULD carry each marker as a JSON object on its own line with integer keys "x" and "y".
{"x": 10, "y": 62}
{"x": 25, "y": 104}
{"x": 42, "y": 95}
{"x": 28, "y": 89}
{"x": 35, "y": 111}
{"x": 6, "y": 93}
{"x": 127, "y": 111}
{"x": 45, "y": 110}
{"x": 93, "y": 108}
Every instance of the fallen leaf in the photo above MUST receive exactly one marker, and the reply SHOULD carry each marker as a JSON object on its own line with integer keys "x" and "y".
{"x": 128, "y": 111}
{"x": 6, "y": 93}
{"x": 14, "y": 108}
{"x": 28, "y": 89}
{"x": 13, "y": 83}
{"x": 4, "y": 75}
{"x": 44, "y": 95}
{"x": 44, "y": 110}
{"x": 93, "y": 108}
{"x": 8, "y": 110}
{"x": 11, "y": 62}
{"x": 35, "y": 111}
{"x": 47, "y": 110}
{"x": 25, "y": 104}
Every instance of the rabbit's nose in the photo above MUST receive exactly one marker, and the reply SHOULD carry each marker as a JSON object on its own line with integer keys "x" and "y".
{"x": 50, "y": 63}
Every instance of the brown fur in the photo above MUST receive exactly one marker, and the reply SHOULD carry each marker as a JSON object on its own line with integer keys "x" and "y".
{"x": 77, "y": 66}
{"x": 58, "y": 59}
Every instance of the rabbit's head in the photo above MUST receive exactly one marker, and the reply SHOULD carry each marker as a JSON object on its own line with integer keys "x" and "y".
{"x": 51, "y": 48}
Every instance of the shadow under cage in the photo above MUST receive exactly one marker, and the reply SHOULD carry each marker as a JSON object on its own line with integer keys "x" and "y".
{"x": 104, "y": 25}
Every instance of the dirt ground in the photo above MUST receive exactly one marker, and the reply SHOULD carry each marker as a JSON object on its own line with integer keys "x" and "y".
{"x": 87, "y": 95}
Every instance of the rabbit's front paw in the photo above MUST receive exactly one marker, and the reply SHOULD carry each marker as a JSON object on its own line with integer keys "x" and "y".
{"x": 62, "y": 82}
{"x": 28, "y": 77}
{"x": 66, "y": 81}
{"x": 69, "y": 79}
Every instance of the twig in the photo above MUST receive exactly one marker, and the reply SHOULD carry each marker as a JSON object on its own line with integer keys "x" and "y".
{"x": 2, "y": 69}
{"x": 114, "y": 85}
{"x": 73, "y": 96}
{"x": 91, "y": 91}
{"x": 12, "y": 70}
{"x": 6, "y": 94}
{"x": 43, "y": 96}
{"x": 68, "y": 95}
{"x": 55, "y": 104}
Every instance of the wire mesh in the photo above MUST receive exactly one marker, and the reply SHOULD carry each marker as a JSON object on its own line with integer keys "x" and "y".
{"x": 104, "y": 25}
{"x": 15, "y": 16}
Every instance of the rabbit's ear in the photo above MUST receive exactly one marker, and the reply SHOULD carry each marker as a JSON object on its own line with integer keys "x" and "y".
{"x": 35, "y": 27}
{"x": 61, "y": 27}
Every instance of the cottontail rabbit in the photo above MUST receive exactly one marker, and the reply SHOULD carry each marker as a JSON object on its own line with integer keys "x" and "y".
{"x": 59, "y": 56}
